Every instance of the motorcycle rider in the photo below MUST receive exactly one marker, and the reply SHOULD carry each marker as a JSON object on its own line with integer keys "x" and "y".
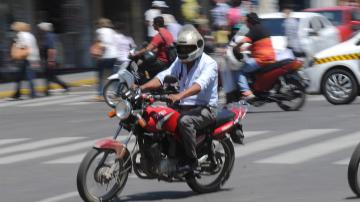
{"x": 197, "y": 73}
{"x": 160, "y": 42}
{"x": 262, "y": 53}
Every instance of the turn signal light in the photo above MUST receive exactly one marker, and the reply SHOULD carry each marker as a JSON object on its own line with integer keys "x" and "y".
{"x": 112, "y": 113}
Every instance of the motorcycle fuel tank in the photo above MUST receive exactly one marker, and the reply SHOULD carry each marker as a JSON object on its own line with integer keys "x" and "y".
{"x": 161, "y": 118}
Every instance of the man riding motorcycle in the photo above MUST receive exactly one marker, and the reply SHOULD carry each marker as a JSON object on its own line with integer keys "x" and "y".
{"x": 262, "y": 53}
{"x": 159, "y": 42}
{"x": 198, "y": 80}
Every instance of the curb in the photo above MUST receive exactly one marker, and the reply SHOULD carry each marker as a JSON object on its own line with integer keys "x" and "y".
{"x": 41, "y": 89}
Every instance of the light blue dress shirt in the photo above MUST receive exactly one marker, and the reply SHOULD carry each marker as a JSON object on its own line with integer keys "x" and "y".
{"x": 204, "y": 72}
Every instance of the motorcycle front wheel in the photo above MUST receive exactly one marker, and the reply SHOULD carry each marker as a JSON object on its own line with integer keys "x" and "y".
{"x": 293, "y": 93}
{"x": 353, "y": 171}
{"x": 101, "y": 176}
{"x": 212, "y": 178}
{"x": 113, "y": 91}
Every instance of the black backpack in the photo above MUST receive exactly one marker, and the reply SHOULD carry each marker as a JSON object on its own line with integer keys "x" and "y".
{"x": 171, "y": 50}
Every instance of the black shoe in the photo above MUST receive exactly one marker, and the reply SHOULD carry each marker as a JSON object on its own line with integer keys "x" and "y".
{"x": 187, "y": 166}
{"x": 16, "y": 96}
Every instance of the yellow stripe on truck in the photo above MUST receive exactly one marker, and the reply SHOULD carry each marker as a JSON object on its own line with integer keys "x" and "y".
{"x": 352, "y": 56}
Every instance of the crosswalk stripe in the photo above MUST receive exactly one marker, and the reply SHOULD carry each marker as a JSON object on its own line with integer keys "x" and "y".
{"x": 280, "y": 140}
{"x": 61, "y": 101}
{"x": 9, "y": 141}
{"x": 68, "y": 159}
{"x": 37, "y": 100}
{"x": 254, "y": 133}
{"x": 78, "y": 157}
{"x": 314, "y": 150}
{"x": 343, "y": 162}
{"x": 77, "y": 103}
{"x": 46, "y": 152}
{"x": 37, "y": 144}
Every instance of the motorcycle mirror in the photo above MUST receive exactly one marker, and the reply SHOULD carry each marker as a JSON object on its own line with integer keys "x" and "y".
{"x": 170, "y": 79}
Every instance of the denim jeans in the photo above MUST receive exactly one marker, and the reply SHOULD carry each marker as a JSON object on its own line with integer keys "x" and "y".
{"x": 103, "y": 64}
{"x": 25, "y": 72}
{"x": 249, "y": 66}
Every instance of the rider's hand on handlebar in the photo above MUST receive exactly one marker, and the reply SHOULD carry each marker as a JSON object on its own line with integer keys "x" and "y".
{"x": 175, "y": 97}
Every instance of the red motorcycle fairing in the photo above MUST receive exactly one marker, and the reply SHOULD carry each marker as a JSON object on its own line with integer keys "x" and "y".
{"x": 220, "y": 131}
{"x": 112, "y": 144}
{"x": 266, "y": 81}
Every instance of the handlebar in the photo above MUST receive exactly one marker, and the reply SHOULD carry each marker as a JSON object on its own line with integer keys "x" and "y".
{"x": 162, "y": 98}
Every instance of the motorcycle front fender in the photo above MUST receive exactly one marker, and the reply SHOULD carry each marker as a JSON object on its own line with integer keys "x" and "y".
{"x": 113, "y": 77}
{"x": 115, "y": 145}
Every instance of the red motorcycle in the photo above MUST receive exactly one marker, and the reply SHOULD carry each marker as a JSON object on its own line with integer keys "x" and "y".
{"x": 104, "y": 171}
{"x": 279, "y": 83}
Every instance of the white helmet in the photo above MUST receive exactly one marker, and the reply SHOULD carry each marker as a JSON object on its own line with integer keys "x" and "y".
{"x": 235, "y": 59}
{"x": 190, "y": 44}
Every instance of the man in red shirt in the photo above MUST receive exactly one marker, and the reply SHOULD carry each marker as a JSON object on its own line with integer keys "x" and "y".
{"x": 159, "y": 43}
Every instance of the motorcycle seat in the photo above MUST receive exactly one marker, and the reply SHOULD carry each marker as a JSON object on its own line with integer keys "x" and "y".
{"x": 272, "y": 66}
{"x": 224, "y": 115}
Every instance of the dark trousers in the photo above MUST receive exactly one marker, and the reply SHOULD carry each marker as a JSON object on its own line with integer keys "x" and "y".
{"x": 191, "y": 120}
{"x": 156, "y": 67}
{"x": 103, "y": 64}
{"x": 50, "y": 76}
{"x": 24, "y": 72}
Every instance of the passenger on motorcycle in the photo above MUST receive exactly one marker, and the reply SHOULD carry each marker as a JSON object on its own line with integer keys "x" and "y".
{"x": 159, "y": 42}
{"x": 198, "y": 80}
{"x": 262, "y": 53}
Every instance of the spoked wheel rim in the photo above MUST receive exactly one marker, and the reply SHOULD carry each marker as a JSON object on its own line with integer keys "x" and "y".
{"x": 211, "y": 172}
{"x": 339, "y": 86}
{"x": 103, "y": 177}
{"x": 113, "y": 91}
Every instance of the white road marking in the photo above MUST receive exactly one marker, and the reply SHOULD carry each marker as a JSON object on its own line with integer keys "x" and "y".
{"x": 78, "y": 103}
{"x": 37, "y": 100}
{"x": 74, "y": 159}
{"x": 46, "y": 152}
{"x": 343, "y": 162}
{"x": 61, "y": 101}
{"x": 61, "y": 197}
{"x": 314, "y": 150}
{"x": 77, "y": 158}
{"x": 37, "y": 144}
{"x": 254, "y": 133}
{"x": 280, "y": 140}
{"x": 9, "y": 141}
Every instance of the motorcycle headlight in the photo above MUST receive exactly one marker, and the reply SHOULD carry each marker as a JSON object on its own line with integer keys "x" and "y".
{"x": 123, "y": 109}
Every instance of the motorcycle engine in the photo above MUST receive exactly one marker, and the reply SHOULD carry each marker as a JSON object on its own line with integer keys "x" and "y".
{"x": 168, "y": 167}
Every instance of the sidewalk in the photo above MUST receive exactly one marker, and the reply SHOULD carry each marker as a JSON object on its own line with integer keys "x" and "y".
{"x": 73, "y": 80}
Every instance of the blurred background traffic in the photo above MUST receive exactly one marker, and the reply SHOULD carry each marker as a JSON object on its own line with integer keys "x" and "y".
{"x": 74, "y": 24}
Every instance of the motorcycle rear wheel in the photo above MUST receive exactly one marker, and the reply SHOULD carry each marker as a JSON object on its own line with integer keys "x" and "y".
{"x": 196, "y": 186}
{"x": 113, "y": 91}
{"x": 298, "y": 94}
{"x": 353, "y": 171}
{"x": 98, "y": 176}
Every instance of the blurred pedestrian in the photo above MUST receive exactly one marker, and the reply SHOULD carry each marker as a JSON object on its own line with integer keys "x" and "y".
{"x": 291, "y": 27}
{"x": 190, "y": 10}
{"x": 25, "y": 52}
{"x": 220, "y": 23}
{"x": 234, "y": 17}
{"x": 160, "y": 42}
{"x": 48, "y": 56}
{"x": 104, "y": 50}
{"x": 124, "y": 44}
{"x": 218, "y": 14}
{"x": 150, "y": 14}
{"x": 172, "y": 25}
